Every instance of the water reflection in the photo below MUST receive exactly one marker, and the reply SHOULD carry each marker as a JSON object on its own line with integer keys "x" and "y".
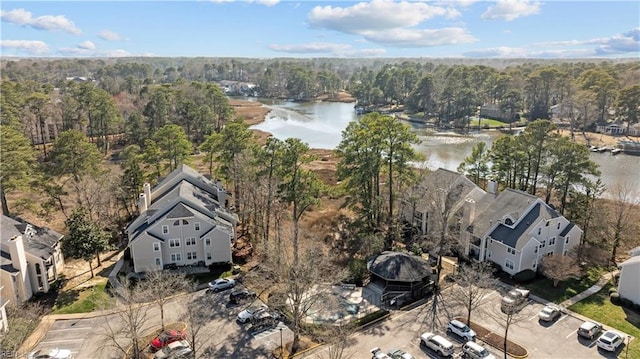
{"x": 320, "y": 124}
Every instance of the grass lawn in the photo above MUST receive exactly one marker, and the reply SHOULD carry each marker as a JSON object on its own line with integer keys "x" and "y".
{"x": 84, "y": 300}
{"x": 543, "y": 287}
{"x": 599, "y": 308}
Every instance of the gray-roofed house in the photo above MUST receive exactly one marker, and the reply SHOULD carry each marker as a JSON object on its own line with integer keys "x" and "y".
{"x": 397, "y": 278}
{"x": 184, "y": 220}
{"x": 419, "y": 205}
{"x": 629, "y": 282}
{"x": 517, "y": 230}
{"x": 30, "y": 259}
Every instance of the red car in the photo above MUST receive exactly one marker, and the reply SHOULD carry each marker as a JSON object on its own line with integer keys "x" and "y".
{"x": 166, "y": 337}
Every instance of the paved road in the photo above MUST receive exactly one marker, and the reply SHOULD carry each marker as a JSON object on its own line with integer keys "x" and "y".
{"x": 222, "y": 337}
{"x": 543, "y": 341}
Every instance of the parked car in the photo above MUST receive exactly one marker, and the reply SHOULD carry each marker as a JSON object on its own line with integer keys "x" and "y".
{"x": 221, "y": 284}
{"x": 549, "y": 313}
{"x": 56, "y": 353}
{"x": 166, "y": 337}
{"x": 610, "y": 341}
{"x": 437, "y": 343}
{"x": 476, "y": 351}
{"x": 378, "y": 354}
{"x": 590, "y": 330}
{"x": 241, "y": 295}
{"x": 399, "y": 354}
{"x": 177, "y": 349}
{"x": 462, "y": 330}
{"x": 246, "y": 315}
{"x": 263, "y": 320}
{"x": 514, "y": 300}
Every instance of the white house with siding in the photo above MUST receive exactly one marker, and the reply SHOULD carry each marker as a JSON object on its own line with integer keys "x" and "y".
{"x": 183, "y": 221}
{"x": 629, "y": 282}
{"x": 30, "y": 259}
{"x": 512, "y": 229}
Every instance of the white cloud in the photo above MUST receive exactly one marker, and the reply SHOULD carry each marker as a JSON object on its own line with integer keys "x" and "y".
{"x": 109, "y": 35}
{"x": 332, "y": 49}
{"x": 22, "y": 17}
{"x": 377, "y": 15}
{"x": 627, "y": 42}
{"x": 310, "y": 48}
{"x": 87, "y": 45}
{"x": 502, "y": 51}
{"x": 421, "y": 37}
{"x": 30, "y": 46}
{"x": 511, "y": 9}
{"x": 80, "y": 52}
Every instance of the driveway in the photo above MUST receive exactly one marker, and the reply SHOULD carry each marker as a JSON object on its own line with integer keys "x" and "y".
{"x": 542, "y": 340}
{"x": 221, "y": 337}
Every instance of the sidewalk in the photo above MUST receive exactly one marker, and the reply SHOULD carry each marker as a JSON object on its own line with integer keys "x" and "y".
{"x": 592, "y": 290}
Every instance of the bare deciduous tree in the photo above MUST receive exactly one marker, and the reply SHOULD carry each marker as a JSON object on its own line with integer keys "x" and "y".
{"x": 623, "y": 220}
{"x": 559, "y": 268}
{"x": 338, "y": 343}
{"x": 197, "y": 317}
{"x": 472, "y": 283}
{"x": 122, "y": 331}
{"x": 160, "y": 285}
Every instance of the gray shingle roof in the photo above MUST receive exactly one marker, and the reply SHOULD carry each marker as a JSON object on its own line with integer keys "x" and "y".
{"x": 40, "y": 244}
{"x": 510, "y": 202}
{"x": 398, "y": 266}
{"x": 511, "y": 236}
{"x": 445, "y": 179}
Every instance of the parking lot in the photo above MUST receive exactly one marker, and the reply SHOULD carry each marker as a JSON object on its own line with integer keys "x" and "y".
{"x": 221, "y": 337}
{"x": 542, "y": 340}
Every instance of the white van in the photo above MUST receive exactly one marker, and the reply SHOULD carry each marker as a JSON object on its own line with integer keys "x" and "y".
{"x": 437, "y": 343}
{"x": 476, "y": 351}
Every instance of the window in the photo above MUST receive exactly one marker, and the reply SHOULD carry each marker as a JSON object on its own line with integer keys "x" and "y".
{"x": 197, "y": 226}
{"x": 546, "y": 224}
{"x": 539, "y": 231}
{"x": 535, "y": 250}
{"x": 176, "y": 257}
{"x": 508, "y": 264}
{"x": 156, "y": 246}
{"x": 550, "y": 254}
{"x": 511, "y": 250}
{"x": 185, "y": 222}
{"x": 535, "y": 264}
{"x": 566, "y": 240}
{"x": 488, "y": 254}
{"x": 165, "y": 229}
{"x": 191, "y": 255}
{"x": 564, "y": 253}
{"x": 190, "y": 241}
{"x": 174, "y": 242}
{"x": 552, "y": 241}
{"x": 558, "y": 225}
{"x": 207, "y": 241}
{"x": 176, "y": 223}
{"x": 208, "y": 255}
{"x": 158, "y": 262}
{"x": 543, "y": 244}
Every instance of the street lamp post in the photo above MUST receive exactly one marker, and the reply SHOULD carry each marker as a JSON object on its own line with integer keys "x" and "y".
{"x": 626, "y": 354}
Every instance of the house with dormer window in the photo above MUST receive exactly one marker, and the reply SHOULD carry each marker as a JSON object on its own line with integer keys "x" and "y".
{"x": 512, "y": 228}
{"x": 30, "y": 259}
{"x": 184, "y": 221}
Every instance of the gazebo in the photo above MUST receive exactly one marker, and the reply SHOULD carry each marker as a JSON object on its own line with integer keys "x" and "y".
{"x": 397, "y": 278}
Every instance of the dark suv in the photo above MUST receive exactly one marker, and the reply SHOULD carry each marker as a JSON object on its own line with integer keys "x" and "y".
{"x": 241, "y": 295}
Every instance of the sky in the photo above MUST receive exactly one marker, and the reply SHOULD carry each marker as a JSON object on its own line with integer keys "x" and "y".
{"x": 310, "y": 29}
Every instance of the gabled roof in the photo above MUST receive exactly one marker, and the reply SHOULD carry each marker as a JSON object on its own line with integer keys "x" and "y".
{"x": 567, "y": 229}
{"x": 38, "y": 241}
{"x": 399, "y": 266}
{"x": 510, "y": 202}
{"x": 446, "y": 180}
{"x": 511, "y": 236}
{"x": 180, "y": 211}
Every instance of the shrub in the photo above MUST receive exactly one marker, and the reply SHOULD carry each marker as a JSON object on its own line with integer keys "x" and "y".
{"x": 636, "y": 307}
{"x": 371, "y": 317}
{"x": 357, "y": 271}
{"x": 626, "y": 303}
{"x": 612, "y": 290}
{"x": 614, "y": 298}
{"x": 525, "y": 276}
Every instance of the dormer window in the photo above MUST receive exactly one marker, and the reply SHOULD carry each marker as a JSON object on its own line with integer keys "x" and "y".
{"x": 176, "y": 223}
{"x": 185, "y": 222}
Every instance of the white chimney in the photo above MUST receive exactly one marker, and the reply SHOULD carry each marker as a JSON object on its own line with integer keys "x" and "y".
{"x": 142, "y": 203}
{"x": 492, "y": 187}
{"x": 147, "y": 193}
{"x": 19, "y": 262}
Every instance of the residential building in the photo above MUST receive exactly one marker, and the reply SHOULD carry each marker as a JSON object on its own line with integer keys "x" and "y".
{"x": 512, "y": 229}
{"x": 4, "y": 323}
{"x": 184, "y": 221}
{"x": 30, "y": 259}
{"x": 629, "y": 282}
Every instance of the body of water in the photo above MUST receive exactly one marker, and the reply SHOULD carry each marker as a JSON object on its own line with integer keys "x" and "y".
{"x": 320, "y": 124}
